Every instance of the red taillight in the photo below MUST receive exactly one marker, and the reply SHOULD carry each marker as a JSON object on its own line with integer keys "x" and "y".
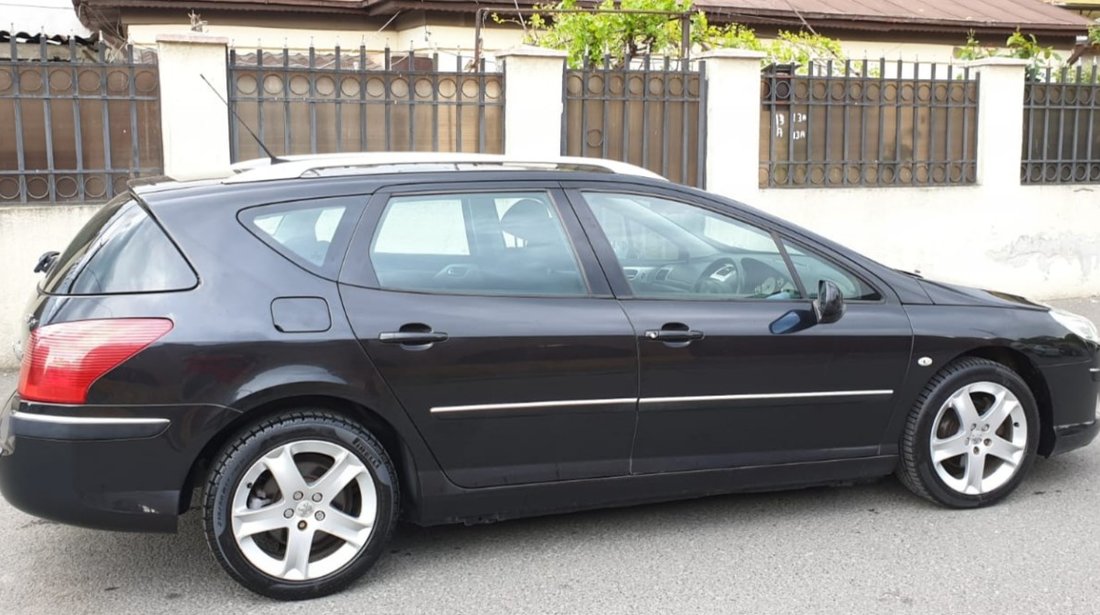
{"x": 61, "y": 361}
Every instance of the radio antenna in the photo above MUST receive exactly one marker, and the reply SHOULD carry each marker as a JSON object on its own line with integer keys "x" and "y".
{"x": 274, "y": 159}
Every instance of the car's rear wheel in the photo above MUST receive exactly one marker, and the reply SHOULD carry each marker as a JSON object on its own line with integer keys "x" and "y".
{"x": 971, "y": 436}
{"x": 300, "y": 505}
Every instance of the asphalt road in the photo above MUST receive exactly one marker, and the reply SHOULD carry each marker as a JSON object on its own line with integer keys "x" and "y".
{"x": 862, "y": 549}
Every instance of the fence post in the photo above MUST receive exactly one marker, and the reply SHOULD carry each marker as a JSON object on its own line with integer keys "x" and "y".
{"x": 194, "y": 123}
{"x": 733, "y": 121}
{"x": 1000, "y": 121}
{"x": 533, "y": 79}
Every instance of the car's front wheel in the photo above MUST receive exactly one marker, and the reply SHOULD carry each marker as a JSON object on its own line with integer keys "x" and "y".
{"x": 300, "y": 505}
{"x": 971, "y": 436}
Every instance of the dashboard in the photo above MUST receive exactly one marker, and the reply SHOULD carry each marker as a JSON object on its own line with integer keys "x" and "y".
{"x": 756, "y": 276}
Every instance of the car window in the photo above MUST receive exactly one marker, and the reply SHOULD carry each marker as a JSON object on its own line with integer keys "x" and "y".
{"x": 311, "y": 233}
{"x": 670, "y": 249}
{"x": 120, "y": 250}
{"x": 475, "y": 243}
{"x": 812, "y": 269}
{"x": 424, "y": 226}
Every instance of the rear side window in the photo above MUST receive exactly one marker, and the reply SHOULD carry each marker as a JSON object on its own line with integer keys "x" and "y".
{"x": 477, "y": 244}
{"x": 120, "y": 250}
{"x": 313, "y": 233}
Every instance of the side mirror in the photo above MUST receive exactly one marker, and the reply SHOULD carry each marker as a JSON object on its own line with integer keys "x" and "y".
{"x": 45, "y": 262}
{"x": 829, "y": 305}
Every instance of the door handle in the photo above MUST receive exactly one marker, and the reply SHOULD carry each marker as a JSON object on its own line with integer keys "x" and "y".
{"x": 674, "y": 332}
{"x": 414, "y": 334}
{"x": 411, "y": 337}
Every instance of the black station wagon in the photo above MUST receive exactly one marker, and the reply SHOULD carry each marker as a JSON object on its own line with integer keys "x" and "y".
{"x": 320, "y": 346}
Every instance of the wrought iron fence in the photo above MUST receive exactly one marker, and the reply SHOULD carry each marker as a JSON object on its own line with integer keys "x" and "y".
{"x": 868, "y": 124}
{"x": 1062, "y": 127}
{"x": 652, "y": 114}
{"x": 76, "y": 125}
{"x": 363, "y": 101}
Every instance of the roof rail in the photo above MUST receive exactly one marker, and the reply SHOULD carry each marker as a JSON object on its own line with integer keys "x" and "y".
{"x": 293, "y": 167}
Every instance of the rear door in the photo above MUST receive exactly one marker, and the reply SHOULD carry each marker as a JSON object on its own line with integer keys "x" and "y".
{"x": 484, "y": 309}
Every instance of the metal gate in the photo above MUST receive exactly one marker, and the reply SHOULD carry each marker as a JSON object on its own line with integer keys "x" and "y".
{"x": 649, "y": 113}
{"x": 363, "y": 101}
{"x": 85, "y": 120}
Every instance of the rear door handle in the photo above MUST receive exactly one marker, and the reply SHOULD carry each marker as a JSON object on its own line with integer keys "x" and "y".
{"x": 411, "y": 337}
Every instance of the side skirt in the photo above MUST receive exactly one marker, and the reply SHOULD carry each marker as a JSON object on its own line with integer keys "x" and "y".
{"x": 441, "y": 502}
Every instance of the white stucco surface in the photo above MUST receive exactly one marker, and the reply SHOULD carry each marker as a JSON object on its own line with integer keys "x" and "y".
{"x": 532, "y": 118}
{"x": 25, "y": 233}
{"x": 194, "y": 119}
{"x": 1039, "y": 241}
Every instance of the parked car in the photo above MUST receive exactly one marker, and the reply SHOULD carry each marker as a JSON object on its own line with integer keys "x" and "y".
{"x": 323, "y": 345}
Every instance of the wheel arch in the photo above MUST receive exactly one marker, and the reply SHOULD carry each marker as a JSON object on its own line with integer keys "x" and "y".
{"x": 388, "y": 435}
{"x": 1026, "y": 369}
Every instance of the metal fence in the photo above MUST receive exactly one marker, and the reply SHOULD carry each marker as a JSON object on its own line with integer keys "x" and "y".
{"x": 76, "y": 125}
{"x": 651, "y": 114}
{"x": 868, "y": 124}
{"x": 363, "y": 101}
{"x": 1062, "y": 127}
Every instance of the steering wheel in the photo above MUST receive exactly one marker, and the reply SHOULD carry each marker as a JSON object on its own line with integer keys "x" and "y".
{"x": 456, "y": 274}
{"x": 721, "y": 277}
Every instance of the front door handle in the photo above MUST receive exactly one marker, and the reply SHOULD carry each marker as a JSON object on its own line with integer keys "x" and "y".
{"x": 674, "y": 332}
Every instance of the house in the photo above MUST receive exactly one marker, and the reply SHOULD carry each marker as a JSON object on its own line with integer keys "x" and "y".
{"x": 928, "y": 29}
{"x": 1088, "y": 8}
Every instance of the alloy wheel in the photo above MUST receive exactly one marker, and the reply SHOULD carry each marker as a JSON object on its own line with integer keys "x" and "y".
{"x": 979, "y": 438}
{"x": 304, "y": 510}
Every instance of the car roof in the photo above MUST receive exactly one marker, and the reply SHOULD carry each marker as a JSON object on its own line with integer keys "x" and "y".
{"x": 294, "y": 173}
{"x": 297, "y": 167}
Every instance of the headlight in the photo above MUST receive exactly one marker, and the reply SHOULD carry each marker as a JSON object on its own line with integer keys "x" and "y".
{"x": 1077, "y": 324}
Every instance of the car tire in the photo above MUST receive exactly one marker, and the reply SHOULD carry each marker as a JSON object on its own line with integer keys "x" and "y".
{"x": 965, "y": 455}
{"x": 329, "y": 527}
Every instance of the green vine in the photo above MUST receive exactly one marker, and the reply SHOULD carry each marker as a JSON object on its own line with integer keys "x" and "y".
{"x": 1019, "y": 45}
{"x": 607, "y": 31}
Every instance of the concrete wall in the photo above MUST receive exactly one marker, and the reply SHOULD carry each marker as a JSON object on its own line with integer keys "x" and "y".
{"x": 25, "y": 233}
{"x": 1038, "y": 241}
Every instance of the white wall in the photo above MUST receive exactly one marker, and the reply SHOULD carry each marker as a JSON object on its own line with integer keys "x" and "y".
{"x": 1039, "y": 241}
{"x": 194, "y": 124}
{"x": 25, "y": 233}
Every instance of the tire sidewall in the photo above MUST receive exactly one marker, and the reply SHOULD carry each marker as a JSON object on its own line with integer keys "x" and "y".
{"x": 984, "y": 372}
{"x": 235, "y": 462}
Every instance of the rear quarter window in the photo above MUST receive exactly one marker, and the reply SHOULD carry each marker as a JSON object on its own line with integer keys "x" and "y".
{"x": 120, "y": 250}
{"x": 313, "y": 234}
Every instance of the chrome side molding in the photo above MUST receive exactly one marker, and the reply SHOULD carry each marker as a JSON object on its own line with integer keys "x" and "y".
{"x": 572, "y": 403}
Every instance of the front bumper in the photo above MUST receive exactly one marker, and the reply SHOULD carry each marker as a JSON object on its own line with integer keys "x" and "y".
{"x": 118, "y": 468}
{"x": 1075, "y": 400}
{"x": 1072, "y": 437}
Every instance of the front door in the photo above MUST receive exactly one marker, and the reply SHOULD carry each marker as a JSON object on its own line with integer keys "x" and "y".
{"x": 496, "y": 331}
{"x": 733, "y": 370}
